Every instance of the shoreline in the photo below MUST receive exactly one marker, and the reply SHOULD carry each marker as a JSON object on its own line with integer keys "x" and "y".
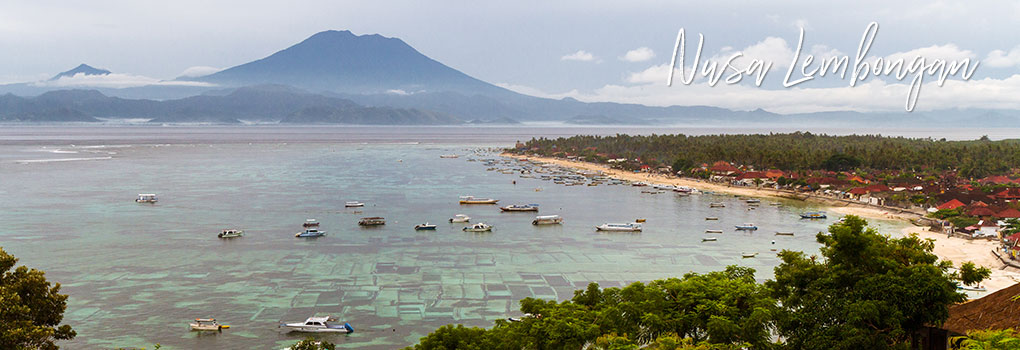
{"x": 954, "y": 249}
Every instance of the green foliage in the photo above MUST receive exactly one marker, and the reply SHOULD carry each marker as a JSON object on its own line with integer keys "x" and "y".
{"x": 869, "y": 291}
{"x": 451, "y": 337}
{"x": 963, "y": 221}
{"x": 971, "y": 274}
{"x": 804, "y": 150}
{"x": 1012, "y": 226}
{"x": 30, "y": 309}
{"x": 1003, "y": 339}
{"x": 312, "y": 344}
{"x": 943, "y": 214}
{"x": 682, "y": 164}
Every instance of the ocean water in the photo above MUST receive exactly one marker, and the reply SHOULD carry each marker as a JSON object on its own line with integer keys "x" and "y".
{"x": 137, "y": 273}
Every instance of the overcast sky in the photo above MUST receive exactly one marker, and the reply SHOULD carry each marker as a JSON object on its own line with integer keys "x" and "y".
{"x": 612, "y": 51}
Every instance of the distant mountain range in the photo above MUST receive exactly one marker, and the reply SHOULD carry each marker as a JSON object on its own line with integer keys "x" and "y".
{"x": 340, "y": 77}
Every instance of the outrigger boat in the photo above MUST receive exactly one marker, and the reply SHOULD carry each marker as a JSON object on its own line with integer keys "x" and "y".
{"x": 310, "y": 233}
{"x": 479, "y": 227}
{"x": 319, "y": 325}
{"x": 425, "y": 226}
{"x": 460, "y": 218}
{"x": 628, "y": 227}
{"x": 207, "y": 324}
{"x": 547, "y": 220}
{"x": 520, "y": 207}
{"x": 230, "y": 234}
{"x": 813, "y": 215}
{"x": 146, "y": 198}
{"x": 474, "y": 200}
{"x": 353, "y": 204}
{"x": 372, "y": 221}
{"x": 747, "y": 227}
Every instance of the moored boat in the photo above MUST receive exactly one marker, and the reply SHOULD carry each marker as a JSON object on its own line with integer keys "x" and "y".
{"x": 628, "y": 227}
{"x": 146, "y": 198}
{"x": 230, "y": 233}
{"x": 207, "y": 324}
{"x": 748, "y": 255}
{"x": 479, "y": 227}
{"x": 425, "y": 226}
{"x": 448, "y": 156}
{"x": 711, "y": 218}
{"x": 310, "y": 233}
{"x": 784, "y": 233}
{"x": 747, "y": 227}
{"x": 310, "y": 223}
{"x": 460, "y": 218}
{"x": 753, "y": 201}
{"x": 713, "y": 231}
{"x": 813, "y": 215}
{"x": 372, "y": 221}
{"x": 319, "y": 325}
{"x": 547, "y": 220}
{"x": 353, "y": 204}
{"x": 520, "y": 207}
{"x": 709, "y": 239}
{"x": 475, "y": 200}
{"x": 716, "y": 205}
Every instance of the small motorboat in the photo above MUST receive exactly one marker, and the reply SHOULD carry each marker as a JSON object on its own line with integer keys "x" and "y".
{"x": 310, "y": 223}
{"x": 716, "y": 205}
{"x": 784, "y": 233}
{"x": 813, "y": 215}
{"x": 319, "y": 325}
{"x": 475, "y": 200}
{"x": 479, "y": 227}
{"x": 753, "y": 201}
{"x": 520, "y": 207}
{"x": 372, "y": 221}
{"x": 425, "y": 226}
{"x": 230, "y": 233}
{"x": 146, "y": 198}
{"x": 547, "y": 220}
{"x": 775, "y": 204}
{"x": 353, "y": 204}
{"x": 747, "y": 227}
{"x": 640, "y": 220}
{"x": 713, "y": 231}
{"x": 460, "y": 218}
{"x": 709, "y": 239}
{"x": 629, "y": 227}
{"x": 748, "y": 255}
{"x": 207, "y": 324}
{"x": 448, "y": 156}
{"x": 310, "y": 233}
{"x": 712, "y": 218}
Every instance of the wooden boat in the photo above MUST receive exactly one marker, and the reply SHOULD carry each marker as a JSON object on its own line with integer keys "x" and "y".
{"x": 748, "y": 255}
{"x": 711, "y": 218}
{"x": 640, "y": 220}
{"x": 353, "y": 204}
{"x": 547, "y": 220}
{"x": 460, "y": 218}
{"x": 230, "y": 233}
{"x": 813, "y": 215}
{"x": 716, "y": 205}
{"x": 319, "y": 325}
{"x": 310, "y": 223}
{"x": 713, "y": 231}
{"x": 310, "y": 233}
{"x": 146, "y": 198}
{"x": 520, "y": 207}
{"x": 784, "y": 233}
{"x": 746, "y": 227}
{"x": 448, "y": 156}
{"x": 479, "y": 227}
{"x": 207, "y": 324}
{"x": 753, "y": 201}
{"x": 474, "y": 200}
{"x": 628, "y": 227}
{"x": 709, "y": 239}
{"x": 372, "y": 221}
{"x": 425, "y": 226}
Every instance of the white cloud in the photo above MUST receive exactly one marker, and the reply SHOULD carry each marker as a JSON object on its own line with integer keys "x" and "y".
{"x": 949, "y": 52}
{"x": 580, "y": 55}
{"x": 1001, "y": 59}
{"x": 114, "y": 80}
{"x": 198, "y": 71}
{"x": 801, "y": 23}
{"x": 654, "y": 74}
{"x": 771, "y": 49}
{"x": 640, "y": 54}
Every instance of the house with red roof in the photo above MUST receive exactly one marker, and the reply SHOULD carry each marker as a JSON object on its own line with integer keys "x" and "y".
{"x": 1009, "y": 194}
{"x": 723, "y": 168}
{"x": 997, "y": 180}
{"x": 952, "y": 204}
{"x": 1008, "y": 213}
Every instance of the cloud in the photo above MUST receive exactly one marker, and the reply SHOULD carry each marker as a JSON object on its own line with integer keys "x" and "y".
{"x": 198, "y": 71}
{"x": 771, "y": 49}
{"x": 801, "y": 23}
{"x": 640, "y": 54}
{"x": 949, "y": 52}
{"x": 1002, "y": 59}
{"x": 114, "y": 80}
{"x": 654, "y": 74}
{"x": 580, "y": 55}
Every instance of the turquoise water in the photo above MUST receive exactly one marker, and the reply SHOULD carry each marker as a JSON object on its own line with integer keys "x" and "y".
{"x": 138, "y": 273}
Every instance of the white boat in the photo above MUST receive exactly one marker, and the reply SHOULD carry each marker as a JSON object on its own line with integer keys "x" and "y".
{"x": 319, "y": 325}
{"x": 475, "y": 200}
{"x": 460, "y": 218}
{"x": 425, "y": 226}
{"x": 547, "y": 220}
{"x": 713, "y": 231}
{"x": 449, "y": 156}
{"x": 753, "y": 201}
{"x": 520, "y": 207}
{"x": 784, "y": 233}
{"x": 628, "y": 227}
{"x": 972, "y": 289}
{"x": 479, "y": 227}
{"x": 748, "y": 255}
{"x": 353, "y": 204}
{"x": 146, "y": 198}
{"x": 230, "y": 233}
{"x": 709, "y": 239}
{"x": 207, "y": 324}
{"x": 747, "y": 227}
{"x": 310, "y": 233}
{"x": 372, "y": 221}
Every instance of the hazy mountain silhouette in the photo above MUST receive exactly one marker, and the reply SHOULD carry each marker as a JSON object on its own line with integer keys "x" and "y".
{"x": 81, "y": 69}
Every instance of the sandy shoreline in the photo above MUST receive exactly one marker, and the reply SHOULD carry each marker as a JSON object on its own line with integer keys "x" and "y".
{"x": 957, "y": 250}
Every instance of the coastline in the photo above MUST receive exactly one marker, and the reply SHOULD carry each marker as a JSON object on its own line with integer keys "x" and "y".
{"x": 954, "y": 249}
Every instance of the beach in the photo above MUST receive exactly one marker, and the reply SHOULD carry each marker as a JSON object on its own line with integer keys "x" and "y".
{"x": 954, "y": 249}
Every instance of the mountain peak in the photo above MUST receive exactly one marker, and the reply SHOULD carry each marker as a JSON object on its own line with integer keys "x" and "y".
{"x": 81, "y": 69}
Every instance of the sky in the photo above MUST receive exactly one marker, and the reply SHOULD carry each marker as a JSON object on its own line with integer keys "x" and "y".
{"x": 589, "y": 50}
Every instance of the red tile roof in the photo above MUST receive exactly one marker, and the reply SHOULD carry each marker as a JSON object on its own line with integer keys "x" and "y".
{"x": 1009, "y": 213}
{"x": 752, "y": 175}
{"x": 981, "y": 211}
{"x": 953, "y": 204}
{"x": 1009, "y": 193}
{"x": 723, "y": 167}
{"x": 859, "y": 191}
